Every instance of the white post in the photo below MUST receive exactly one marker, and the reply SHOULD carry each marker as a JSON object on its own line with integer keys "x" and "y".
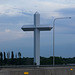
{"x": 54, "y": 36}
{"x": 36, "y": 39}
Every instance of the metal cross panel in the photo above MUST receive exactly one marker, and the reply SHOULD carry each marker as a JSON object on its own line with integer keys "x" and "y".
{"x": 36, "y": 28}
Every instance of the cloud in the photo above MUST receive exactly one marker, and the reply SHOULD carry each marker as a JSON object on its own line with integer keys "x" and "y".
{"x": 28, "y": 7}
{"x": 6, "y": 20}
{"x": 67, "y": 11}
{"x": 10, "y": 35}
{"x": 25, "y": 13}
{"x": 64, "y": 30}
{"x": 65, "y": 25}
{"x": 7, "y": 30}
{"x": 16, "y": 13}
{"x": 19, "y": 12}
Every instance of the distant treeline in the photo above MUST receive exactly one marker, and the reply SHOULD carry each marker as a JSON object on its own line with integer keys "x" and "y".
{"x": 6, "y": 59}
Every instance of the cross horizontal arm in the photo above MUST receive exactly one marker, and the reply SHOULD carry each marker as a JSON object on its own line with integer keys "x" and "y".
{"x": 32, "y": 27}
{"x": 44, "y": 28}
{"x": 28, "y": 27}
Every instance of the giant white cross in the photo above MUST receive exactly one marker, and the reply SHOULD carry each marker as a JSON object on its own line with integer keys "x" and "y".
{"x": 36, "y": 28}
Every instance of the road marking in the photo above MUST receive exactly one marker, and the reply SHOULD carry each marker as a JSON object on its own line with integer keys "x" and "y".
{"x": 26, "y": 72}
{"x": 71, "y": 69}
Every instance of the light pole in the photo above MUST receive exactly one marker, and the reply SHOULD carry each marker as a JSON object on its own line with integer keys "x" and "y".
{"x": 54, "y": 35}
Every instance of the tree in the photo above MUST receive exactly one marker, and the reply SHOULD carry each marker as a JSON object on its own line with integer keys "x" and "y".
{"x": 1, "y": 57}
{"x": 12, "y": 58}
{"x": 19, "y": 54}
{"x": 8, "y": 55}
{"x": 12, "y": 55}
{"x": 16, "y": 55}
{"x": 4, "y": 58}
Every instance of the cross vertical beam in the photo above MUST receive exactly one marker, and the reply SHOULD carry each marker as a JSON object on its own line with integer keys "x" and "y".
{"x": 36, "y": 39}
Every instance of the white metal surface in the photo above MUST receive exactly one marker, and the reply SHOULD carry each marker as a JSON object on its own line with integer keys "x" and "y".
{"x": 36, "y": 28}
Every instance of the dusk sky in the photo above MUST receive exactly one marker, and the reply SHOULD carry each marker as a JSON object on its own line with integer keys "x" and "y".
{"x": 16, "y": 13}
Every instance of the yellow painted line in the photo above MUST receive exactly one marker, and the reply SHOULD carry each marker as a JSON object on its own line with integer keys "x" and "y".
{"x": 26, "y": 72}
{"x": 71, "y": 69}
